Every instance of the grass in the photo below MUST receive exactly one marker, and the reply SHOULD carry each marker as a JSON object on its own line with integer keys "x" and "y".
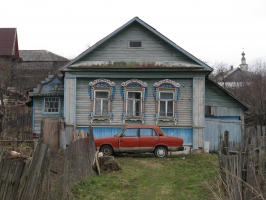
{"x": 146, "y": 177}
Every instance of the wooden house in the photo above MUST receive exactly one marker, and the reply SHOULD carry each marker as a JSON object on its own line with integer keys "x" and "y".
{"x": 136, "y": 75}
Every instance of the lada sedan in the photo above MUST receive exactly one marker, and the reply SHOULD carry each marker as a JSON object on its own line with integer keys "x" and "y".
{"x": 140, "y": 139}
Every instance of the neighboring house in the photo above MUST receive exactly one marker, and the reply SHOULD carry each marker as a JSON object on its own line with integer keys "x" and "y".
{"x": 9, "y": 53}
{"x": 36, "y": 65}
{"x": 21, "y": 70}
{"x": 136, "y": 75}
{"x": 233, "y": 77}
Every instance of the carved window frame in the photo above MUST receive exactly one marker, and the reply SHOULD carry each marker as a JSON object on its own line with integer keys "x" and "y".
{"x": 101, "y": 85}
{"x": 134, "y": 85}
{"x": 170, "y": 86}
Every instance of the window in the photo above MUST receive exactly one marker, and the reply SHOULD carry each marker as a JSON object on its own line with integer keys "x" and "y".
{"x": 134, "y": 93}
{"x": 130, "y": 132}
{"x": 144, "y": 132}
{"x": 101, "y": 92}
{"x": 135, "y": 44}
{"x": 101, "y": 103}
{"x": 166, "y": 104}
{"x": 166, "y": 93}
{"x": 52, "y": 104}
{"x": 133, "y": 104}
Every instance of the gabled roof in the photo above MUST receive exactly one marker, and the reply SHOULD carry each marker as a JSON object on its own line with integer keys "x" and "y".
{"x": 8, "y": 42}
{"x": 136, "y": 19}
{"x": 40, "y": 56}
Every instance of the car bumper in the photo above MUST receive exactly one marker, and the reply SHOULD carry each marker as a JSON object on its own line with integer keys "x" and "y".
{"x": 176, "y": 148}
{"x": 180, "y": 149}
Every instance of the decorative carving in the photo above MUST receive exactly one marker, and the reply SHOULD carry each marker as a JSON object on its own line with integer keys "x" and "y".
{"x": 136, "y": 81}
{"x": 109, "y": 117}
{"x": 55, "y": 85}
{"x": 102, "y": 81}
{"x": 167, "y": 83}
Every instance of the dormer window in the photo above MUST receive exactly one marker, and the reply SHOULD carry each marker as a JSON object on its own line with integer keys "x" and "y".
{"x": 135, "y": 44}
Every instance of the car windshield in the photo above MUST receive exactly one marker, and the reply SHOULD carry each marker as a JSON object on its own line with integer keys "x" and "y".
{"x": 117, "y": 135}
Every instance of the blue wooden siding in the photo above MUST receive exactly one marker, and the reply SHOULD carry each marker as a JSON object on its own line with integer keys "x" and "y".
{"x": 184, "y": 104}
{"x": 100, "y": 132}
{"x": 38, "y": 115}
{"x": 214, "y": 131}
{"x": 185, "y": 133}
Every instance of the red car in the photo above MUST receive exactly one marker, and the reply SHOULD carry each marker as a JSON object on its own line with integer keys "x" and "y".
{"x": 140, "y": 139}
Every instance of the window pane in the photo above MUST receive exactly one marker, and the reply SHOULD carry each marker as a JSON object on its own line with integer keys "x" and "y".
{"x": 130, "y": 132}
{"x": 105, "y": 107}
{"x": 51, "y": 104}
{"x": 101, "y": 94}
{"x": 97, "y": 106}
{"x": 135, "y": 44}
{"x": 170, "y": 108}
{"x": 137, "y": 107}
{"x": 164, "y": 95}
{"x": 130, "y": 107}
{"x": 162, "y": 108}
{"x": 134, "y": 95}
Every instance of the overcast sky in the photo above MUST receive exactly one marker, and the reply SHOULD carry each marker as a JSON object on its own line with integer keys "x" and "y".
{"x": 211, "y": 30}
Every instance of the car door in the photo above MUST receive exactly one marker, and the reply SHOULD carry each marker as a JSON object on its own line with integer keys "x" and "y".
{"x": 129, "y": 140}
{"x": 148, "y": 139}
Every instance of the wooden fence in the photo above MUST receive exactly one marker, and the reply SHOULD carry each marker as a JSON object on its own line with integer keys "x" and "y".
{"x": 243, "y": 165}
{"x": 25, "y": 180}
{"x": 46, "y": 175}
{"x": 70, "y": 166}
{"x": 15, "y": 122}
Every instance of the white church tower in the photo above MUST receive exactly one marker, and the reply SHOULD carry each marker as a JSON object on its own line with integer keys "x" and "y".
{"x": 243, "y": 65}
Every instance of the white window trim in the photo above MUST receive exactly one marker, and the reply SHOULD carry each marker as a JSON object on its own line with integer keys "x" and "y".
{"x": 59, "y": 106}
{"x": 166, "y": 100}
{"x": 108, "y": 98}
{"x": 134, "y": 106}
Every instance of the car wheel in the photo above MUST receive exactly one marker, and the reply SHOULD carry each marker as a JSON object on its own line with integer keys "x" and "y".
{"x": 160, "y": 152}
{"x": 107, "y": 150}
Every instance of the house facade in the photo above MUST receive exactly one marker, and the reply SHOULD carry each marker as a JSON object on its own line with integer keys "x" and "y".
{"x": 136, "y": 75}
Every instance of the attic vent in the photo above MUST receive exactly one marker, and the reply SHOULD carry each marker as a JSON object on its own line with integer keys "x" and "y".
{"x": 135, "y": 44}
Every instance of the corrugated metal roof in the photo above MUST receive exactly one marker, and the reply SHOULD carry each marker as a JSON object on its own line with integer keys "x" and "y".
{"x": 40, "y": 55}
{"x": 8, "y": 42}
{"x": 144, "y": 24}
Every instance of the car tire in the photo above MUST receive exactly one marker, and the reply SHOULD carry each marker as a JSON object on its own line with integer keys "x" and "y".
{"x": 107, "y": 150}
{"x": 160, "y": 152}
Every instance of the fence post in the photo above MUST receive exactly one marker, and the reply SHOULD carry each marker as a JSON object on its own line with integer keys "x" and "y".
{"x": 226, "y": 143}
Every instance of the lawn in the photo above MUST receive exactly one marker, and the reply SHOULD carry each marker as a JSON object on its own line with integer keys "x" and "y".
{"x": 178, "y": 177}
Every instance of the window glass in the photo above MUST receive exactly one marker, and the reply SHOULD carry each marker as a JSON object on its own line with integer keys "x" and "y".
{"x": 134, "y": 104}
{"x": 147, "y": 132}
{"x": 130, "y": 132}
{"x": 166, "y": 104}
{"x": 51, "y": 104}
{"x": 165, "y": 95}
{"x": 101, "y": 94}
{"x": 101, "y": 107}
{"x": 135, "y": 44}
